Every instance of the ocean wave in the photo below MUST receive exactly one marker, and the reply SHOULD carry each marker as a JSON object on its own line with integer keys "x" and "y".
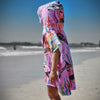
{"x": 88, "y": 49}
{"x": 20, "y": 53}
{"x": 39, "y": 52}
{"x": 32, "y": 47}
{"x": 2, "y": 48}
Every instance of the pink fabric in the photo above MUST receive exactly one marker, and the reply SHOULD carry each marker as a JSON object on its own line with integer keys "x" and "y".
{"x": 51, "y": 17}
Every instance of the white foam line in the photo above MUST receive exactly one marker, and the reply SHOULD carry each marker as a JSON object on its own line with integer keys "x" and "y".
{"x": 2, "y": 48}
{"x": 21, "y": 53}
{"x": 32, "y": 47}
{"x": 83, "y": 50}
{"x": 24, "y": 53}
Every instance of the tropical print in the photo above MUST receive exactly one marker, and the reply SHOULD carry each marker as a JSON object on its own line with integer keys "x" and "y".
{"x": 51, "y": 17}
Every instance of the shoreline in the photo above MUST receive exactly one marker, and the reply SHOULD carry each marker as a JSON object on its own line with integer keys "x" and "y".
{"x": 86, "y": 87}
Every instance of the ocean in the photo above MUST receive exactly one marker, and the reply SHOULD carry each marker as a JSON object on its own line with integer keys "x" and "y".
{"x": 25, "y": 64}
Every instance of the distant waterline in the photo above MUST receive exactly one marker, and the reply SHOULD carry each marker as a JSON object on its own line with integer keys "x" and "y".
{"x": 35, "y": 50}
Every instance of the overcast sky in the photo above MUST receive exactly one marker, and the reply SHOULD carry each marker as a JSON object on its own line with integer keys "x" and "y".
{"x": 19, "y": 20}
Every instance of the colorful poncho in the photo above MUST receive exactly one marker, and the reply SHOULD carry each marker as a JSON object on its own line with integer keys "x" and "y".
{"x": 51, "y": 17}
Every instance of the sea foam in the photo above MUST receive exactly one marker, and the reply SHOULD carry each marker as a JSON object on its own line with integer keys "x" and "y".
{"x": 39, "y": 51}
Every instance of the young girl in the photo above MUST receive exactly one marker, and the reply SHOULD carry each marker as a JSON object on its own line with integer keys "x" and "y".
{"x": 58, "y": 65}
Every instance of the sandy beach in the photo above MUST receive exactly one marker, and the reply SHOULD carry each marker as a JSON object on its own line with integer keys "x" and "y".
{"x": 87, "y": 82}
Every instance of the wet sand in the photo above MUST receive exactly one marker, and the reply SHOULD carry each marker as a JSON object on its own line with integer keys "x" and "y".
{"x": 87, "y": 82}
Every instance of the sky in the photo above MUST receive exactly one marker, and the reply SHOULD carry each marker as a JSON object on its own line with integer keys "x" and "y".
{"x": 19, "y": 20}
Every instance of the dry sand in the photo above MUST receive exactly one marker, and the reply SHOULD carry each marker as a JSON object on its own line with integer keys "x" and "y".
{"x": 87, "y": 82}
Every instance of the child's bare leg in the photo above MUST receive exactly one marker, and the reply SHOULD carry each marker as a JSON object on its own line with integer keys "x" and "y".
{"x": 53, "y": 93}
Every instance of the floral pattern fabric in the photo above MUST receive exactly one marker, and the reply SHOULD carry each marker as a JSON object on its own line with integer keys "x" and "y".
{"x": 51, "y": 17}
